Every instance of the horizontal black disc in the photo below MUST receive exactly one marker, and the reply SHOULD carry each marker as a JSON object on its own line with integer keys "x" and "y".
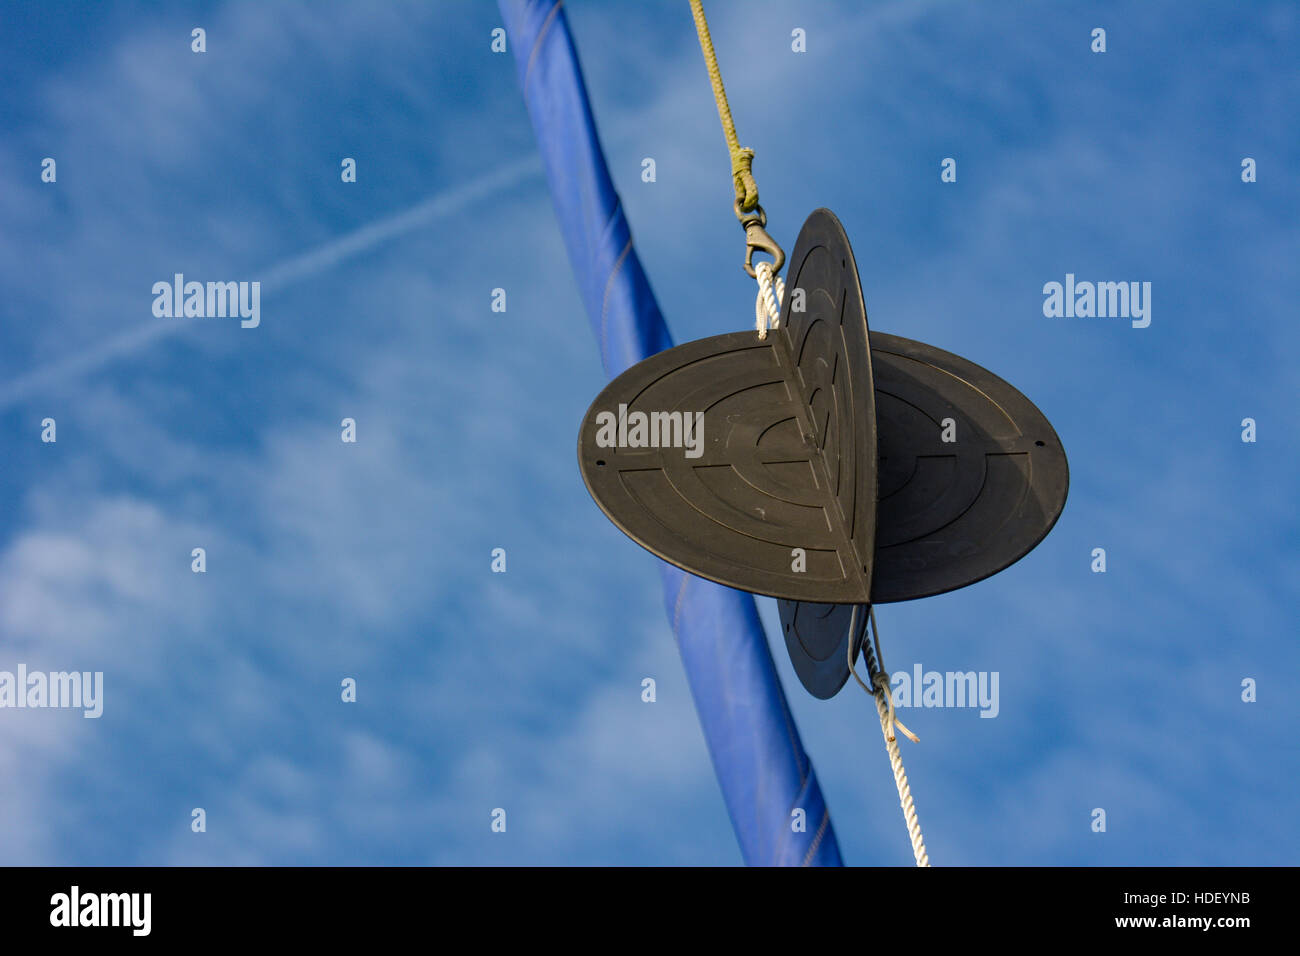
{"x": 776, "y": 492}
{"x": 951, "y": 513}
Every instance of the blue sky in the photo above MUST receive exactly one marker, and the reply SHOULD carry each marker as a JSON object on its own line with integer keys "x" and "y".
{"x": 522, "y": 690}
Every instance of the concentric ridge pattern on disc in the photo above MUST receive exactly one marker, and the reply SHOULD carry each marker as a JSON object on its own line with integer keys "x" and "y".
{"x": 787, "y": 460}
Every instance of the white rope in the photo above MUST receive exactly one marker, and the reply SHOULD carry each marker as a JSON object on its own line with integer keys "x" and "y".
{"x": 767, "y": 308}
{"x": 888, "y": 721}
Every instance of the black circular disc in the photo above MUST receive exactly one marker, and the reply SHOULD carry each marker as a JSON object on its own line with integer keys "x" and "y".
{"x": 951, "y": 513}
{"x": 776, "y": 492}
{"x": 817, "y": 637}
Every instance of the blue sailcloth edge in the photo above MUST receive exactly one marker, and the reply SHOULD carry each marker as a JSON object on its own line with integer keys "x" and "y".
{"x": 762, "y": 769}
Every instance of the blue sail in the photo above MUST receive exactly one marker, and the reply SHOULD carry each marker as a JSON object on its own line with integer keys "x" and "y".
{"x": 762, "y": 769}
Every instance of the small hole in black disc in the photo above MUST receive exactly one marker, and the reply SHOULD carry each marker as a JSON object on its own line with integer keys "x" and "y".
{"x": 1039, "y": 444}
{"x": 601, "y": 461}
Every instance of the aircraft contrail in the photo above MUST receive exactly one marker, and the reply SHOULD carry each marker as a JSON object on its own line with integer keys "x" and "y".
{"x": 278, "y": 276}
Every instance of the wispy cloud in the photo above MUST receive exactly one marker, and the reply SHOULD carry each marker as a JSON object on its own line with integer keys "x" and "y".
{"x": 281, "y": 275}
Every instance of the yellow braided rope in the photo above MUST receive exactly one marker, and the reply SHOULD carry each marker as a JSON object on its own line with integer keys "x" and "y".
{"x": 741, "y": 158}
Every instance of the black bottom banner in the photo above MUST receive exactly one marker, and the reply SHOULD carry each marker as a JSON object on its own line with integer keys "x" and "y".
{"x": 338, "y": 905}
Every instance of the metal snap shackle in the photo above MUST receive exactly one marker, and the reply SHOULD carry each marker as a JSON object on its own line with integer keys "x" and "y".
{"x": 758, "y": 240}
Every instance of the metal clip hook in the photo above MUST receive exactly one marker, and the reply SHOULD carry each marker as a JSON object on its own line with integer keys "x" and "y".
{"x": 757, "y": 240}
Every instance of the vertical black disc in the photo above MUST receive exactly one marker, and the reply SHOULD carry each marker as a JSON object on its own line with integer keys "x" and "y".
{"x": 823, "y": 309}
